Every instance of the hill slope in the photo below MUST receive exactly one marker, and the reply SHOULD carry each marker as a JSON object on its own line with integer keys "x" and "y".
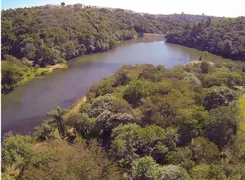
{"x": 225, "y": 37}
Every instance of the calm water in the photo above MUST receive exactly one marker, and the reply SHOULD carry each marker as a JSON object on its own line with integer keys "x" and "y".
{"x": 27, "y": 105}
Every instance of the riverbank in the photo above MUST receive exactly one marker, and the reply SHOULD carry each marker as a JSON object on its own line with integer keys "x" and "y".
{"x": 31, "y": 101}
{"x": 75, "y": 107}
{"x": 198, "y": 62}
{"x": 58, "y": 66}
{"x": 154, "y": 35}
{"x": 28, "y": 73}
{"x": 36, "y": 72}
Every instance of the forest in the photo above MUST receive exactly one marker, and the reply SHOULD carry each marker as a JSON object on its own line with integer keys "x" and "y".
{"x": 46, "y": 36}
{"x": 145, "y": 122}
{"x": 40, "y": 37}
{"x": 224, "y": 37}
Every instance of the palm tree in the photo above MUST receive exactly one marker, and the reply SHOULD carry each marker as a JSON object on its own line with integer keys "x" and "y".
{"x": 58, "y": 120}
{"x": 45, "y": 131}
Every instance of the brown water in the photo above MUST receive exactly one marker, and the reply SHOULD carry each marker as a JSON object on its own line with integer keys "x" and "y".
{"x": 26, "y": 106}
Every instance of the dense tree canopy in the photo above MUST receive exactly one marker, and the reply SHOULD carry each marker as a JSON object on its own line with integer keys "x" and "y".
{"x": 225, "y": 37}
{"x": 46, "y": 36}
{"x": 152, "y": 123}
{"x": 144, "y": 122}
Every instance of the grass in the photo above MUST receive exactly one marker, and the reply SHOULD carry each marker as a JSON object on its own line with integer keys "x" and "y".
{"x": 32, "y": 73}
{"x": 242, "y": 112}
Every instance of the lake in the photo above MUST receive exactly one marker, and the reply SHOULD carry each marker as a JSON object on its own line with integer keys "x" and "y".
{"x": 26, "y": 106}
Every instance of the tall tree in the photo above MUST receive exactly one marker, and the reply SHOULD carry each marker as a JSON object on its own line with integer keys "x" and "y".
{"x": 58, "y": 120}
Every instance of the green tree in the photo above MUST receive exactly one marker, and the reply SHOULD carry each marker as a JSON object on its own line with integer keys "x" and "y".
{"x": 204, "y": 171}
{"x": 58, "y": 120}
{"x": 63, "y": 4}
{"x": 205, "y": 67}
{"x": 45, "y": 131}
{"x": 83, "y": 125}
{"x": 146, "y": 168}
{"x": 223, "y": 124}
{"x": 136, "y": 90}
{"x": 195, "y": 119}
{"x": 12, "y": 73}
{"x": 219, "y": 96}
{"x": 204, "y": 151}
{"x": 181, "y": 156}
{"x": 18, "y": 153}
{"x": 150, "y": 140}
{"x": 173, "y": 172}
{"x": 122, "y": 79}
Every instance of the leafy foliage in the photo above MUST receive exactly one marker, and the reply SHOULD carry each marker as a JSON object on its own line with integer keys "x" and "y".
{"x": 223, "y": 37}
{"x": 152, "y": 122}
{"x": 48, "y": 35}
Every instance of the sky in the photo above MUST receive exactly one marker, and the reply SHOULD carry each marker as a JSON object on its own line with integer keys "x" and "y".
{"x": 225, "y": 8}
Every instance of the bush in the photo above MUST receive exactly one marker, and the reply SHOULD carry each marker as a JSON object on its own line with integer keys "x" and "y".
{"x": 223, "y": 125}
{"x": 146, "y": 168}
{"x": 136, "y": 90}
{"x": 173, "y": 172}
{"x": 219, "y": 96}
{"x": 204, "y": 171}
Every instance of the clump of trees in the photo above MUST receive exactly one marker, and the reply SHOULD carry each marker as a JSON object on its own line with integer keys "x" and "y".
{"x": 144, "y": 122}
{"x": 15, "y": 72}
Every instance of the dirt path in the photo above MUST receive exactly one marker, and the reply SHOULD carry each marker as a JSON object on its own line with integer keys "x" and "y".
{"x": 58, "y": 66}
{"x": 198, "y": 62}
{"x": 75, "y": 107}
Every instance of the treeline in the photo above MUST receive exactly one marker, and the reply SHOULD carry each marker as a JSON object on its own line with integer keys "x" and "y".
{"x": 46, "y": 36}
{"x": 151, "y": 122}
{"x": 39, "y": 37}
{"x": 225, "y": 37}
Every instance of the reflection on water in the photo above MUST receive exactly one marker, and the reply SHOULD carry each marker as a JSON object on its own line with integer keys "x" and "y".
{"x": 27, "y": 105}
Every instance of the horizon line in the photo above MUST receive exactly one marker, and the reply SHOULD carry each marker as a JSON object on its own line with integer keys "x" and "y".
{"x": 96, "y": 6}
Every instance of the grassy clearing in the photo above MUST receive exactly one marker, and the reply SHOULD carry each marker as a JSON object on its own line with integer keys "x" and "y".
{"x": 242, "y": 112}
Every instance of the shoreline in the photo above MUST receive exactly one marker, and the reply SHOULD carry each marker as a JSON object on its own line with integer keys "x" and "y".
{"x": 39, "y": 72}
{"x": 62, "y": 65}
{"x": 199, "y": 62}
{"x": 75, "y": 107}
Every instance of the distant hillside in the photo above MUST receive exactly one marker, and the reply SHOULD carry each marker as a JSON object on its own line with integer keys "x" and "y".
{"x": 46, "y": 35}
{"x": 225, "y": 37}
{"x": 189, "y": 18}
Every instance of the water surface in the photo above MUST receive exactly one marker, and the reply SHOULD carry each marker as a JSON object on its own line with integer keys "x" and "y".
{"x": 26, "y": 106}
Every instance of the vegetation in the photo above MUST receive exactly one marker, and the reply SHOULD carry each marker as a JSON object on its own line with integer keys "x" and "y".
{"x": 15, "y": 72}
{"x": 144, "y": 122}
{"x": 225, "y": 37}
{"x": 47, "y": 36}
